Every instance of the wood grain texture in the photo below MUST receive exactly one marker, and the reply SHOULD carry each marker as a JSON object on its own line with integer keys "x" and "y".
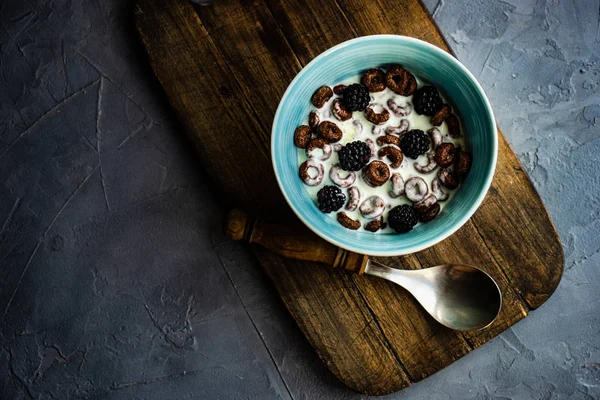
{"x": 224, "y": 67}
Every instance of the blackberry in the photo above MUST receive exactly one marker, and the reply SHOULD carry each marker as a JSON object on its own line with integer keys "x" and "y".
{"x": 354, "y": 156}
{"x": 402, "y": 218}
{"x": 414, "y": 143}
{"x": 427, "y": 100}
{"x": 330, "y": 198}
{"x": 356, "y": 97}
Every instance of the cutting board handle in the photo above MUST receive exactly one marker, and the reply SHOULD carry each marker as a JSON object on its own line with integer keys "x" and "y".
{"x": 298, "y": 242}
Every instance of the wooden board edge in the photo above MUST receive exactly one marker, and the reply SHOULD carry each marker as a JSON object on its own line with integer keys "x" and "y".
{"x": 560, "y": 262}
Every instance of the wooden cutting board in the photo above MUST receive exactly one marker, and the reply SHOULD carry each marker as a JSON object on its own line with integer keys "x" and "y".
{"x": 224, "y": 67}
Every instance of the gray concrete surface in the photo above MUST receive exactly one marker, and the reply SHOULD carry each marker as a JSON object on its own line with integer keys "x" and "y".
{"x": 116, "y": 283}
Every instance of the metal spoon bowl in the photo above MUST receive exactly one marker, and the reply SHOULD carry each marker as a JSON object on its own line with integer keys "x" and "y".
{"x": 460, "y": 297}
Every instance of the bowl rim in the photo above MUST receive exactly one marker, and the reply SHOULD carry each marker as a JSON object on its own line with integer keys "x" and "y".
{"x": 488, "y": 178}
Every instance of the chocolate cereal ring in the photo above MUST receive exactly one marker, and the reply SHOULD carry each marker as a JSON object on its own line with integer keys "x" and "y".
{"x": 377, "y": 130}
{"x": 347, "y": 222}
{"x": 314, "y": 119}
{"x": 329, "y": 131}
{"x": 371, "y": 145}
{"x": 436, "y": 137}
{"x": 393, "y": 153}
{"x": 375, "y": 225}
{"x": 376, "y": 173}
{"x": 448, "y": 178}
{"x": 372, "y": 207}
{"x": 444, "y": 154}
{"x": 376, "y": 118}
{"x": 453, "y": 126}
{"x": 339, "y": 89}
{"x": 436, "y": 189}
{"x": 340, "y": 177}
{"x": 398, "y": 130}
{"x": 400, "y": 81}
{"x": 318, "y": 148}
{"x": 416, "y": 189}
{"x": 397, "y": 185}
{"x": 311, "y": 172}
{"x": 397, "y": 109}
{"x": 353, "y": 198}
{"x": 427, "y": 209}
{"x": 425, "y": 203}
{"x": 301, "y": 136}
{"x": 462, "y": 164}
{"x": 374, "y": 80}
{"x": 358, "y": 125}
{"x": 388, "y": 139}
{"x": 430, "y": 213}
{"x": 339, "y": 111}
{"x": 441, "y": 115}
{"x": 321, "y": 96}
{"x": 429, "y": 168}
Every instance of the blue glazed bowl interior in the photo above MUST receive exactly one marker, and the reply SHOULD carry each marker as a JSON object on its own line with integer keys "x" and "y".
{"x": 431, "y": 65}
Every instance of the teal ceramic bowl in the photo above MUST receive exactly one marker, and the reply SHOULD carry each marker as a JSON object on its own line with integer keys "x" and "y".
{"x": 430, "y": 64}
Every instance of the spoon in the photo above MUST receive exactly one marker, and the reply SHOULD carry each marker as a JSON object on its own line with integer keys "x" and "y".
{"x": 460, "y": 297}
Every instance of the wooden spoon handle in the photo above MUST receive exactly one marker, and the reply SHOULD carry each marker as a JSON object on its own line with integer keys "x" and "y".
{"x": 298, "y": 243}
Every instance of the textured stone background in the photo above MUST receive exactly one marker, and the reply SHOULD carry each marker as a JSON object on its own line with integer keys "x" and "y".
{"x": 115, "y": 281}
